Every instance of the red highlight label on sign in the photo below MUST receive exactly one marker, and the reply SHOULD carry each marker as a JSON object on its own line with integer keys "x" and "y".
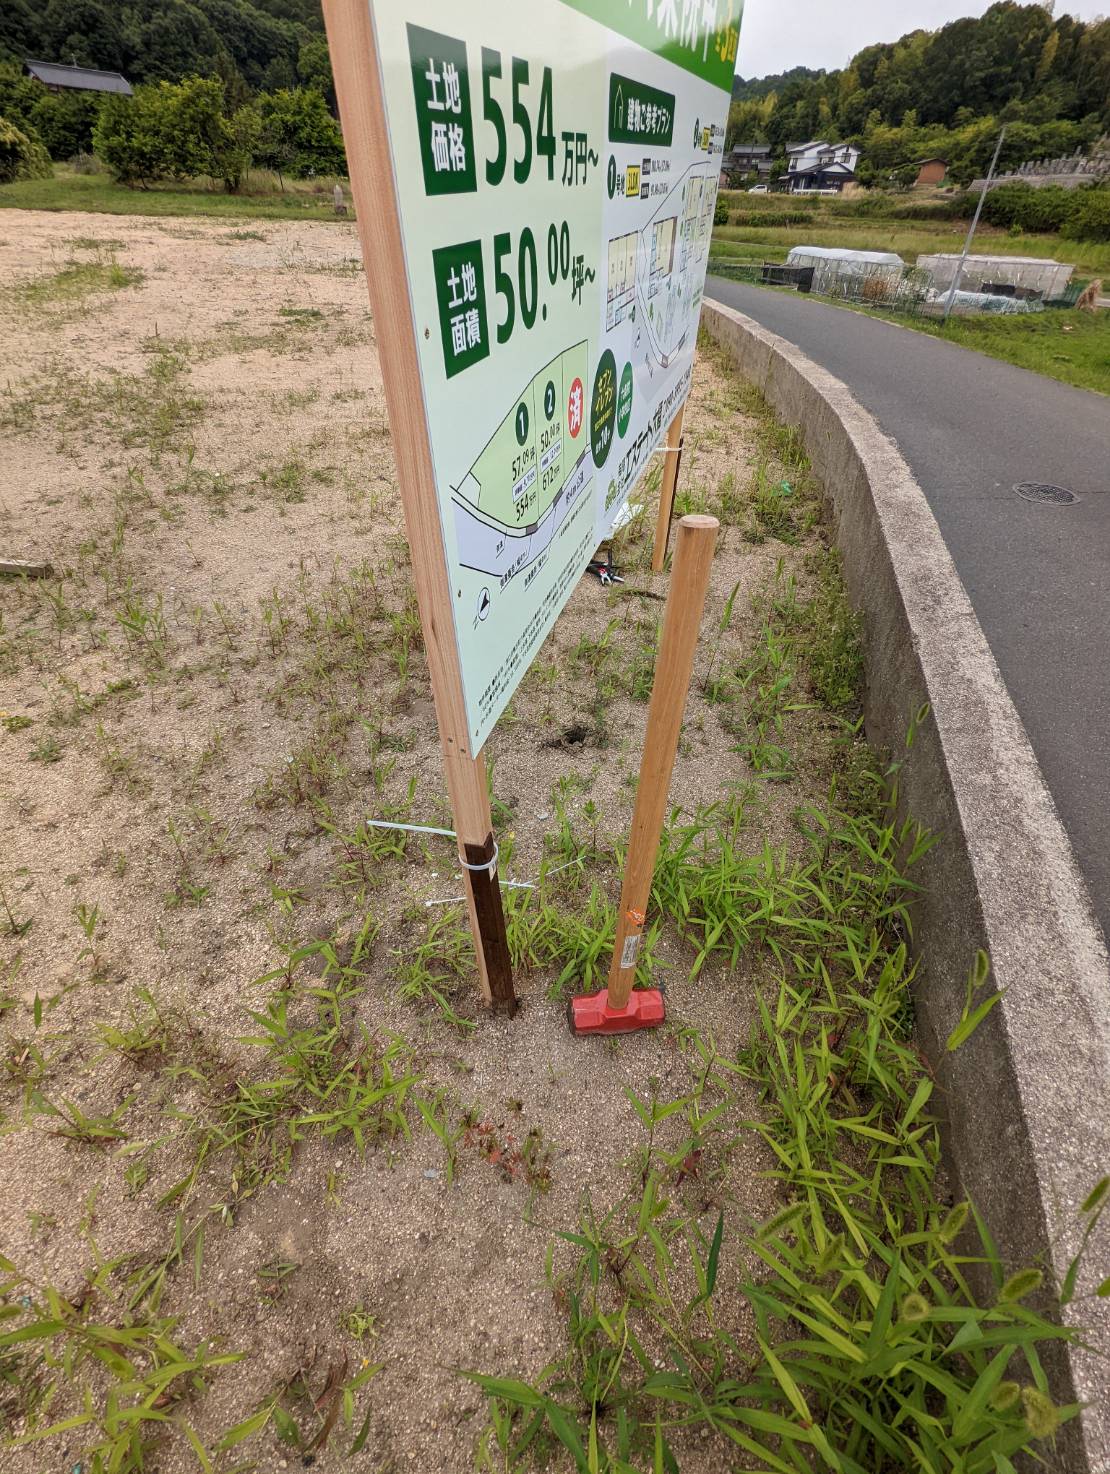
{"x": 575, "y": 408}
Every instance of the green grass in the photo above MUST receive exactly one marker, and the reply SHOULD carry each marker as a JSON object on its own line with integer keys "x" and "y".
{"x": 75, "y": 282}
{"x": 1037, "y": 342}
{"x": 1081, "y": 357}
{"x": 872, "y": 1350}
{"x": 140, "y": 1367}
{"x": 261, "y": 198}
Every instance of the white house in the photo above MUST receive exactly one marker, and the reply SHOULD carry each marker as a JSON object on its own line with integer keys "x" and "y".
{"x": 819, "y": 165}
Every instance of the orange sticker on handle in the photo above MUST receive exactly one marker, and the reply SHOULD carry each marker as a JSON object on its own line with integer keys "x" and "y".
{"x": 637, "y": 918}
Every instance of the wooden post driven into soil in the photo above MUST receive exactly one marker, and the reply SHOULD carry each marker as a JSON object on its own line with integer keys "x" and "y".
{"x": 673, "y": 460}
{"x": 365, "y": 133}
{"x": 693, "y": 560}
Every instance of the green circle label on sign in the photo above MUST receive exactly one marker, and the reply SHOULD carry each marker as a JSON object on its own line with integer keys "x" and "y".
{"x": 521, "y": 423}
{"x": 603, "y": 408}
{"x": 549, "y": 399}
{"x": 624, "y": 401}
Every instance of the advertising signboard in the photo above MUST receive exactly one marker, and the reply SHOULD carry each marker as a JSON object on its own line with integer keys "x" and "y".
{"x": 556, "y": 169}
{"x": 535, "y": 188}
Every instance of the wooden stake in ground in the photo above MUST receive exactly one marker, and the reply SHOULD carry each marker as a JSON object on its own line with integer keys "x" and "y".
{"x": 672, "y": 461}
{"x": 611, "y": 1011}
{"x": 366, "y": 135}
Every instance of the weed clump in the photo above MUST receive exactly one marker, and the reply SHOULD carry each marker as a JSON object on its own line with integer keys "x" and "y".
{"x": 75, "y": 282}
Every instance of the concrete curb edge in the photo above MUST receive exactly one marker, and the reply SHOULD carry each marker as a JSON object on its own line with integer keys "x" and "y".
{"x": 1027, "y": 1099}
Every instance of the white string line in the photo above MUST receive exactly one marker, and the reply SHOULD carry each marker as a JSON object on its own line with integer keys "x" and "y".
{"x": 509, "y": 885}
{"x": 489, "y": 865}
{"x": 409, "y": 828}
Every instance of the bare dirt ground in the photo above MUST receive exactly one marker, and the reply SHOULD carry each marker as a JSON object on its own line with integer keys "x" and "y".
{"x": 222, "y": 681}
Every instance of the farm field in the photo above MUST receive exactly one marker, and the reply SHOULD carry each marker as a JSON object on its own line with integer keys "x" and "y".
{"x": 268, "y": 1174}
{"x": 1067, "y": 345}
{"x": 830, "y": 224}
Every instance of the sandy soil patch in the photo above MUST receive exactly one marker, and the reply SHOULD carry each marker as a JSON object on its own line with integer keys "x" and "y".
{"x": 220, "y": 685}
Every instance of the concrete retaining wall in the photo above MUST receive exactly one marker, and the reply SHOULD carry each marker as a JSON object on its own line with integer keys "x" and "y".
{"x": 1027, "y": 1100}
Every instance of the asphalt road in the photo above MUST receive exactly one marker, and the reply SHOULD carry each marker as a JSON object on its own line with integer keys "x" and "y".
{"x": 1039, "y": 576}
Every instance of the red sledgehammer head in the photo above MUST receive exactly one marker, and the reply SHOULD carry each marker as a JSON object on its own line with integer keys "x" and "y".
{"x": 592, "y": 1014}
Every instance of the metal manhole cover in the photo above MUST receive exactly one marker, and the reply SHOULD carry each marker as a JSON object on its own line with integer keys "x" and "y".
{"x": 1052, "y": 496}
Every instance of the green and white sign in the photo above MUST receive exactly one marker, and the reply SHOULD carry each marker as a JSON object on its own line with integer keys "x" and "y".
{"x": 556, "y": 167}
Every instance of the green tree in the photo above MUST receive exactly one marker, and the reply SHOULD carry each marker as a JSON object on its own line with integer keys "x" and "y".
{"x": 18, "y": 95}
{"x": 314, "y": 69}
{"x": 195, "y": 127}
{"x": 280, "y": 75}
{"x": 299, "y": 137}
{"x": 236, "y": 92}
{"x": 254, "y": 39}
{"x": 304, "y": 12}
{"x": 178, "y": 130}
{"x": 65, "y": 121}
{"x": 18, "y": 30}
{"x": 85, "y": 31}
{"x": 21, "y": 156}
{"x": 1089, "y": 219}
{"x": 177, "y": 40}
{"x": 1092, "y": 71}
{"x": 1049, "y": 53}
{"x": 130, "y": 137}
{"x": 235, "y": 151}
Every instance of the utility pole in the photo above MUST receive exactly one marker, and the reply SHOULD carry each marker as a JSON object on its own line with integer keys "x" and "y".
{"x": 974, "y": 227}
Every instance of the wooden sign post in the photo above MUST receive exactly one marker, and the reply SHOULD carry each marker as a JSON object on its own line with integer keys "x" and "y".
{"x": 366, "y": 134}
{"x": 617, "y": 1010}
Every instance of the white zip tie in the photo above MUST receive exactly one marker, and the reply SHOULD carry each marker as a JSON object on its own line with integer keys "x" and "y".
{"x": 490, "y": 865}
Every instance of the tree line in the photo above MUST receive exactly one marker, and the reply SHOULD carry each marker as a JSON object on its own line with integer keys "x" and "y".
{"x": 174, "y": 130}
{"x": 256, "y": 45}
{"x": 221, "y": 85}
{"x": 945, "y": 93}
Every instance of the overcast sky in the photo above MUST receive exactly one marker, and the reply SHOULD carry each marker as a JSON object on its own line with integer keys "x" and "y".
{"x": 780, "y": 34}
